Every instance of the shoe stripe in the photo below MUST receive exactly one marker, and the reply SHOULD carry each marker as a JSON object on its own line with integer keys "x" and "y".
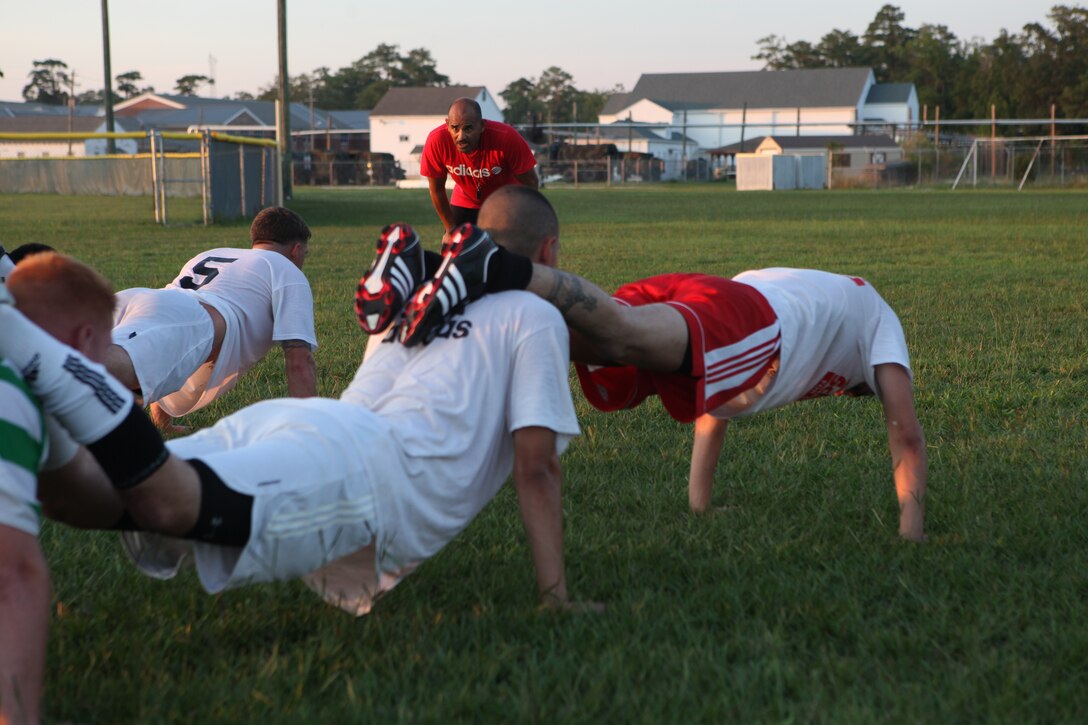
{"x": 461, "y": 291}
{"x": 374, "y": 281}
{"x": 402, "y": 278}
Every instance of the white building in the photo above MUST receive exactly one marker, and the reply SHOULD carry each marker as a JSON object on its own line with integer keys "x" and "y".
{"x": 402, "y": 119}
{"x": 718, "y": 109}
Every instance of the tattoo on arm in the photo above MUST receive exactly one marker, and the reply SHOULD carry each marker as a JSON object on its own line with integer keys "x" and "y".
{"x": 289, "y": 344}
{"x": 567, "y": 293}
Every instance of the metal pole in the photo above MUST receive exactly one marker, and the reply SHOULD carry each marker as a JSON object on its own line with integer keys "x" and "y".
{"x": 205, "y": 176}
{"x": 242, "y": 177}
{"x": 993, "y": 143}
{"x": 107, "y": 92}
{"x": 154, "y": 176}
{"x": 1053, "y": 110}
{"x": 285, "y": 99}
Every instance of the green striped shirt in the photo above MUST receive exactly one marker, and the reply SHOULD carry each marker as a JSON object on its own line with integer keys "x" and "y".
{"x": 22, "y": 450}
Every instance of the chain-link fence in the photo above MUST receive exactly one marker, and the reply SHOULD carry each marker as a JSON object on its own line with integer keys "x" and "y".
{"x": 340, "y": 168}
{"x": 1059, "y": 161}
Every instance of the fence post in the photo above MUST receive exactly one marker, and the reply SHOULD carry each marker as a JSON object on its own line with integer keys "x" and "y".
{"x": 154, "y": 177}
{"x": 576, "y": 172}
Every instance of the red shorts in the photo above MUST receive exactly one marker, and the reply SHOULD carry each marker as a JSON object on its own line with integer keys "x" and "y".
{"x": 734, "y": 335}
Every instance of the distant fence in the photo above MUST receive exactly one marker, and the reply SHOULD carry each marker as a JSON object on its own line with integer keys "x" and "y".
{"x": 233, "y": 176}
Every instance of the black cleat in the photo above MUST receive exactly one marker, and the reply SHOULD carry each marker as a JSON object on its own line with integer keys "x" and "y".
{"x": 391, "y": 279}
{"x": 460, "y": 279}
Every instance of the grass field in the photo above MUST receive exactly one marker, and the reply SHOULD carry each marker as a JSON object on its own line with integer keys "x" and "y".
{"x": 796, "y": 602}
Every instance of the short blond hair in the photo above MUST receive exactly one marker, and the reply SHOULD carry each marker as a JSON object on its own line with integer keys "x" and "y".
{"x": 48, "y": 285}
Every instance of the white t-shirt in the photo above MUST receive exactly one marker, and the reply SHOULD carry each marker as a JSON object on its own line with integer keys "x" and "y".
{"x": 452, "y": 405}
{"x": 835, "y": 329}
{"x": 263, "y": 297}
{"x": 355, "y": 493}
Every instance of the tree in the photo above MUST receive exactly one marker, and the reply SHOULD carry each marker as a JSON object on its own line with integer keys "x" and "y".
{"x": 186, "y": 85}
{"x": 49, "y": 83}
{"x": 552, "y": 98}
{"x": 364, "y": 82}
{"x": 888, "y": 38}
{"x": 127, "y": 84}
{"x": 91, "y": 98}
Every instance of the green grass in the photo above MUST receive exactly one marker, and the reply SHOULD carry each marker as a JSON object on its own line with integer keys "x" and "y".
{"x": 795, "y": 603}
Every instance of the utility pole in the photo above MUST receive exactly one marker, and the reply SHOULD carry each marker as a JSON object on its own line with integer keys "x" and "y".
{"x": 71, "y": 106}
{"x": 107, "y": 89}
{"x": 285, "y": 98}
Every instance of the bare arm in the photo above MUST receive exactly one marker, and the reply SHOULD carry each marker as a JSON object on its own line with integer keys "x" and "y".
{"x": 441, "y": 200}
{"x": 529, "y": 178}
{"x": 24, "y": 623}
{"x": 652, "y": 337}
{"x": 705, "y": 451}
{"x": 80, "y": 494}
{"x": 298, "y": 361}
{"x": 538, "y": 479}
{"x": 907, "y": 444}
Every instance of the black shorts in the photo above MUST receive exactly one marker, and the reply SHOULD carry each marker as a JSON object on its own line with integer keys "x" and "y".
{"x": 464, "y": 215}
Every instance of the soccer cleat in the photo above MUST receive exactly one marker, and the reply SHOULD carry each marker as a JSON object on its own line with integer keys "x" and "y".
{"x": 391, "y": 279}
{"x": 460, "y": 279}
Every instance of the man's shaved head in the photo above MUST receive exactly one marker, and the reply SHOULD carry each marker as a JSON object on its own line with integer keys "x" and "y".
{"x": 519, "y": 218}
{"x": 466, "y": 108}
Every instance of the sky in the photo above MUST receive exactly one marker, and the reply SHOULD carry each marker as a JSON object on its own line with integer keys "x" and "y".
{"x": 601, "y": 43}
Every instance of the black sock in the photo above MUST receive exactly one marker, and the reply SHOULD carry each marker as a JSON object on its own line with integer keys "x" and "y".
{"x": 507, "y": 270}
{"x": 130, "y": 452}
{"x": 225, "y": 514}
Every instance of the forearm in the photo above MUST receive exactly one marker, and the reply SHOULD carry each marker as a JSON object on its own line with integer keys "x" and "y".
{"x": 441, "y": 202}
{"x": 79, "y": 494}
{"x": 705, "y": 451}
{"x": 653, "y": 337}
{"x": 24, "y": 622}
{"x": 539, "y": 499}
{"x": 300, "y": 369}
{"x": 910, "y": 489}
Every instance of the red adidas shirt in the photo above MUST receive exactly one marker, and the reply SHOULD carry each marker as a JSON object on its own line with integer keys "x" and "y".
{"x": 502, "y": 155}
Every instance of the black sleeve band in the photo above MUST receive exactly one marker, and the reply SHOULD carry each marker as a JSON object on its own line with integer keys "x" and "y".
{"x": 130, "y": 452}
{"x": 225, "y": 514}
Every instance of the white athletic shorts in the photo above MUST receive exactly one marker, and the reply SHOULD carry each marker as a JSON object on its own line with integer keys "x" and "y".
{"x": 310, "y": 465}
{"x": 168, "y": 335}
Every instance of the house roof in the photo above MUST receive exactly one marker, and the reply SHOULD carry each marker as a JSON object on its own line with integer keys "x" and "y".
{"x": 846, "y": 142}
{"x": 890, "y": 93}
{"x": 351, "y": 119}
{"x": 620, "y": 130}
{"x": 748, "y": 146}
{"x": 429, "y": 101}
{"x": 50, "y": 124}
{"x": 161, "y": 110}
{"x": 809, "y": 88}
{"x": 15, "y": 108}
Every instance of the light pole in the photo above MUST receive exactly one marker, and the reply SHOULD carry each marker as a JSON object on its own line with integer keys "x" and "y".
{"x": 285, "y": 99}
{"x": 107, "y": 93}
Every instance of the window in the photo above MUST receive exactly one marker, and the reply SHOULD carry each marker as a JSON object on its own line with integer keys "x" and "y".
{"x": 878, "y": 157}
{"x": 840, "y": 160}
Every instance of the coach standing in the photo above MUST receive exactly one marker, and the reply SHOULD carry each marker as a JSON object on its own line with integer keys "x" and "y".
{"x": 482, "y": 156}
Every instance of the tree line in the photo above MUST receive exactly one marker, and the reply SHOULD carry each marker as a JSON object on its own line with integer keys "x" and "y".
{"x": 550, "y": 98}
{"x": 1020, "y": 74}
